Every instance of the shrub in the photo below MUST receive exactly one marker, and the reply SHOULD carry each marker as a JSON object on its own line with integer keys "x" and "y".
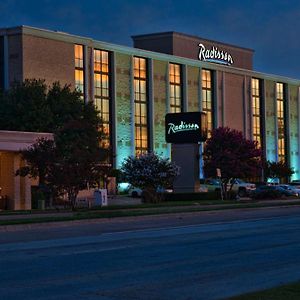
{"x": 267, "y": 194}
{"x": 197, "y": 196}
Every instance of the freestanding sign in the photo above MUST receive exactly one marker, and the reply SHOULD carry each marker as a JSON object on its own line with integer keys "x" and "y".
{"x": 184, "y": 128}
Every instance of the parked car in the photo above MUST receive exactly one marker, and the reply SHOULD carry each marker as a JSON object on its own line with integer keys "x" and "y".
{"x": 272, "y": 192}
{"x": 295, "y": 182}
{"x": 241, "y": 187}
{"x": 291, "y": 188}
{"x": 210, "y": 185}
{"x": 137, "y": 192}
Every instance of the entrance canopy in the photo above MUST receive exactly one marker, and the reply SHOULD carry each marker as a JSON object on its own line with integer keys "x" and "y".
{"x": 19, "y": 140}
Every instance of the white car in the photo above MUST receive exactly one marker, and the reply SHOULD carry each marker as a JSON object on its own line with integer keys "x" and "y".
{"x": 135, "y": 192}
{"x": 242, "y": 188}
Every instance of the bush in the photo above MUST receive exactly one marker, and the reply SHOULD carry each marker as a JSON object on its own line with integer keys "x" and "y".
{"x": 267, "y": 194}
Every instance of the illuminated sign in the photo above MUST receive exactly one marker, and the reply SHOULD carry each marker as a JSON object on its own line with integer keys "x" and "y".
{"x": 215, "y": 55}
{"x": 186, "y": 127}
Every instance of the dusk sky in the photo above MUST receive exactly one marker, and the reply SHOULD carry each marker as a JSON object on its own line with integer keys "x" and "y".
{"x": 271, "y": 28}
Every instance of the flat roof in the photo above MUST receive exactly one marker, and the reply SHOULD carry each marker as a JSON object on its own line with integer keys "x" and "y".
{"x": 189, "y": 36}
{"x": 67, "y": 37}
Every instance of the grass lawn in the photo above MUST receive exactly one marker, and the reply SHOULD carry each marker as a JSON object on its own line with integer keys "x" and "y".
{"x": 35, "y": 216}
{"x": 285, "y": 292}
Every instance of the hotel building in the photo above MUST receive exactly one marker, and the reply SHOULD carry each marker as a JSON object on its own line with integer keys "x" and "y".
{"x": 134, "y": 87}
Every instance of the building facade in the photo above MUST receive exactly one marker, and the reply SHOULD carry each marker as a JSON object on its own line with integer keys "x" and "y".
{"x": 134, "y": 87}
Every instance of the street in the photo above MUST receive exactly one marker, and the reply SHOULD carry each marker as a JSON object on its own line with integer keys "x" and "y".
{"x": 207, "y": 255}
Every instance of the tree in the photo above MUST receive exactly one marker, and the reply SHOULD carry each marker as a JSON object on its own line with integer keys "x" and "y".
{"x": 39, "y": 157}
{"x": 79, "y": 161}
{"x": 74, "y": 159}
{"x": 32, "y": 106}
{"x": 149, "y": 172}
{"x": 234, "y": 155}
{"x": 24, "y": 107}
{"x": 279, "y": 170}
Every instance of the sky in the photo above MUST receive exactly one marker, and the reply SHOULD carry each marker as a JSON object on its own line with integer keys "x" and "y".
{"x": 271, "y": 28}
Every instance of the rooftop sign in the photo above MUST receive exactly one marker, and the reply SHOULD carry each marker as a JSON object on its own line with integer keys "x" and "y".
{"x": 186, "y": 127}
{"x": 215, "y": 55}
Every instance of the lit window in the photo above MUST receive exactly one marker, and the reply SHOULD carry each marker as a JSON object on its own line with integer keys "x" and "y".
{"x": 79, "y": 68}
{"x": 207, "y": 98}
{"x": 281, "y": 122}
{"x": 102, "y": 91}
{"x": 256, "y": 110}
{"x": 175, "y": 88}
{"x": 140, "y": 105}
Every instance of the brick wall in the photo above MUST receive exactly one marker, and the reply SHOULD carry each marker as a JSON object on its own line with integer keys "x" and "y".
{"x": 123, "y": 107}
{"x": 48, "y": 59}
{"x": 270, "y": 120}
{"x": 193, "y": 88}
{"x": 15, "y": 58}
{"x": 294, "y": 132}
{"x": 160, "y": 86}
{"x": 234, "y": 95}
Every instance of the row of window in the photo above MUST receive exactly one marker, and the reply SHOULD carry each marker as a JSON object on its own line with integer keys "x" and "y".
{"x": 257, "y": 116}
{"x": 102, "y": 98}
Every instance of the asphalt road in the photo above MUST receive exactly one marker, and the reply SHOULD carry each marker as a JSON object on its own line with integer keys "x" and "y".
{"x": 191, "y": 256}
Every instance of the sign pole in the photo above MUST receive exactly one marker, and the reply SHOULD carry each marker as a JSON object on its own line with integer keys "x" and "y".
{"x": 219, "y": 175}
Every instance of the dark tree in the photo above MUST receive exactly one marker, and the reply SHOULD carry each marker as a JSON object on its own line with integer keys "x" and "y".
{"x": 32, "y": 106}
{"x": 80, "y": 161}
{"x": 74, "y": 159}
{"x": 277, "y": 170}
{"x": 24, "y": 107}
{"x": 39, "y": 157}
{"x": 234, "y": 155}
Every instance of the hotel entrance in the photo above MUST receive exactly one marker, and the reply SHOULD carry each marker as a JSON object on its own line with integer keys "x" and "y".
{"x": 15, "y": 190}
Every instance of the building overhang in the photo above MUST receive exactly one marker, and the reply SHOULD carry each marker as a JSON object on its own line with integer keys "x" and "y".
{"x": 15, "y": 141}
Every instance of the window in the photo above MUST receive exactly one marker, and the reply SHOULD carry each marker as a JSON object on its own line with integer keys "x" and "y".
{"x": 140, "y": 105}
{"x": 102, "y": 91}
{"x": 175, "y": 88}
{"x": 207, "y": 99}
{"x": 79, "y": 65}
{"x": 256, "y": 110}
{"x": 280, "y": 121}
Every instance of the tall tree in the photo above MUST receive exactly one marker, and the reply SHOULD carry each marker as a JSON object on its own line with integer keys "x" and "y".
{"x": 80, "y": 161}
{"x": 75, "y": 158}
{"x": 24, "y": 107}
{"x": 234, "y": 155}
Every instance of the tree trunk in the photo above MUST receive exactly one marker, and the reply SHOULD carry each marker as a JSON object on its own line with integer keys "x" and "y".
{"x": 149, "y": 195}
{"x": 72, "y": 195}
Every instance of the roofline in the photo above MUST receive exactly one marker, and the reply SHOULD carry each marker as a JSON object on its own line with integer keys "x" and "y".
{"x": 157, "y": 34}
{"x": 66, "y": 37}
